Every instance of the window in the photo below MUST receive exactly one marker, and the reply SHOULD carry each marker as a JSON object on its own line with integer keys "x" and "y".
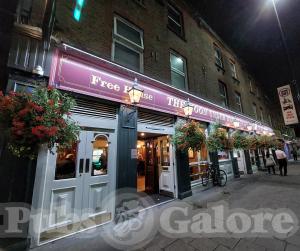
{"x": 233, "y": 69}
{"x": 100, "y": 156}
{"x": 238, "y": 101}
{"x": 218, "y": 57}
{"x": 128, "y": 45}
{"x": 254, "y": 110}
{"x": 223, "y": 94}
{"x": 270, "y": 120}
{"x": 24, "y": 11}
{"x": 251, "y": 87}
{"x": 175, "y": 20}
{"x": 178, "y": 71}
{"x": 261, "y": 115}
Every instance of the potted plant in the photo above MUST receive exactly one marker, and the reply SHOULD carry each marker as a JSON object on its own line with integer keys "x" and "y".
{"x": 31, "y": 120}
{"x": 239, "y": 141}
{"x": 189, "y": 135}
{"x": 218, "y": 140}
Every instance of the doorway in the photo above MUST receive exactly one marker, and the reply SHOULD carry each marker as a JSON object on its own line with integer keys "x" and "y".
{"x": 81, "y": 183}
{"x": 240, "y": 155}
{"x": 155, "y": 165}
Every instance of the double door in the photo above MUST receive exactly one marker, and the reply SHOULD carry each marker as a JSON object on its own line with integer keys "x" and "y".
{"x": 82, "y": 180}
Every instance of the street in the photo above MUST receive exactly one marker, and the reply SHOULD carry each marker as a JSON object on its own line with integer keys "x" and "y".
{"x": 251, "y": 192}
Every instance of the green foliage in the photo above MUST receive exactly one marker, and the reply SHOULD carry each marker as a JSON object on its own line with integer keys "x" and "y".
{"x": 40, "y": 118}
{"x": 218, "y": 139}
{"x": 239, "y": 141}
{"x": 189, "y": 135}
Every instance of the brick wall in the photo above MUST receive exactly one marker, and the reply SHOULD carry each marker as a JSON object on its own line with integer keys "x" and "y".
{"x": 94, "y": 33}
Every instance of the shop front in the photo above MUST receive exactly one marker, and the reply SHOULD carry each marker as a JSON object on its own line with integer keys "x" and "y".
{"x": 122, "y": 144}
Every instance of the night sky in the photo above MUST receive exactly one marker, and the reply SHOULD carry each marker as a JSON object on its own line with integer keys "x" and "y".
{"x": 251, "y": 29}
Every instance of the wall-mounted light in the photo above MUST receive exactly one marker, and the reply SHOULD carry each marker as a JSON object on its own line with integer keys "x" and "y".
{"x": 188, "y": 108}
{"x": 249, "y": 127}
{"x": 135, "y": 93}
{"x": 236, "y": 124}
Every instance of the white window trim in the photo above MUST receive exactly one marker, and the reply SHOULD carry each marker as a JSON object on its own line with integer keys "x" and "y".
{"x": 130, "y": 48}
{"x": 116, "y": 34}
{"x": 254, "y": 107}
{"x": 117, "y": 38}
{"x": 179, "y": 14}
{"x": 218, "y": 56}
{"x": 233, "y": 69}
{"x": 184, "y": 74}
{"x": 238, "y": 99}
{"x": 224, "y": 97}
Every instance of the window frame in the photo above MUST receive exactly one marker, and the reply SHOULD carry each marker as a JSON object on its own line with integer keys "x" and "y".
{"x": 181, "y": 25}
{"x": 224, "y": 86}
{"x": 254, "y": 108}
{"x": 233, "y": 69}
{"x": 184, "y": 74}
{"x": 217, "y": 59}
{"x": 240, "y": 104}
{"x": 262, "y": 119}
{"x": 118, "y": 38}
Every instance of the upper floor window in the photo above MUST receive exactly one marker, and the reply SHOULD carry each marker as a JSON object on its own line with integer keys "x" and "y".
{"x": 270, "y": 120}
{"x": 223, "y": 94}
{"x": 238, "y": 101}
{"x": 24, "y": 11}
{"x": 251, "y": 85}
{"x": 175, "y": 20}
{"x": 178, "y": 71}
{"x": 261, "y": 114}
{"x": 233, "y": 69}
{"x": 255, "y": 110}
{"x": 128, "y": 44}
{"x": 218, "y": 57}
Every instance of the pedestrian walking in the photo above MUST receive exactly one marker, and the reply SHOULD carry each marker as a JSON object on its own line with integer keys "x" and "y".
{"x": 294, "y": 153}
{"x": 270, "y": 163}
{"x": 282, "y": 161}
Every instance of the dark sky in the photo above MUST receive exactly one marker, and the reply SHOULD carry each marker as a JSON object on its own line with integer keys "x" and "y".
{"x": 251, "y": 29}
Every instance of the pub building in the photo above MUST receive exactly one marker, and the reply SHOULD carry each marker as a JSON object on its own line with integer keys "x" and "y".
{"x": 127, "y": 120}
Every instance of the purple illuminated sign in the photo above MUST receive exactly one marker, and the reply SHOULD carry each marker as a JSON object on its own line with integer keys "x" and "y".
{"x": 92, "y": 77}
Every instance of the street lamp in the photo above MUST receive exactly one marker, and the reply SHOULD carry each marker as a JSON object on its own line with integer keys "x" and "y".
{"x": 135, "y": 93}
{"x": 249, "y": 127}
{"x": 188, "y": 108}
{"x": 236, "y": 124}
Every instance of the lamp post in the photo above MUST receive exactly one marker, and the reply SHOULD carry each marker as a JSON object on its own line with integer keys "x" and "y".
{"x": 283, "y": 38}
{"x": 188, "y": 108}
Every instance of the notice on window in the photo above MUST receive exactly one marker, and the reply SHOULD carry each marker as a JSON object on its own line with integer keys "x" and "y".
{"x": 287, "y": 105}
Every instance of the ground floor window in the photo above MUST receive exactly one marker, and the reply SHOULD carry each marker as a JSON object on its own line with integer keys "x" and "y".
{"x": 198, "y": 162}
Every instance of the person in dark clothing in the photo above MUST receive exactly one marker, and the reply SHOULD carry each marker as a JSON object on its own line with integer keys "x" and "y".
{"x": 294, "y": 153}
{"x": 282, "y": 161}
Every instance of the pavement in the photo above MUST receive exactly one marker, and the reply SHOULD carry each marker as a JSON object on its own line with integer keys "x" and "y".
{"x": 250, "y": 192}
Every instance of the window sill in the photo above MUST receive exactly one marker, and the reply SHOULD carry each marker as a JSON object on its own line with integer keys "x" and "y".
{"x": 178, "y": 35}
{"x": 220, "y": 68}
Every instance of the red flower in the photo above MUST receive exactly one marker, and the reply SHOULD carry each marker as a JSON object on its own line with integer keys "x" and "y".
{"x": 52, "y": 131}
{"x": 50, "y": 88}
{"x": 39, "y": 118}
{"x": 38, "y": 131}
{"x": 23, "y": 112}
{"x": 51, "y": 102}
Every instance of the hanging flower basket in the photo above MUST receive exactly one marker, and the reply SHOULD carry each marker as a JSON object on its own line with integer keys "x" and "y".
{"x": 31, "y": 120}
{"x": 239, "y": 141}
{"x": 218, "y": 140}
{"x": 189, "y": 135}
{"x": 253, "y": 143}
